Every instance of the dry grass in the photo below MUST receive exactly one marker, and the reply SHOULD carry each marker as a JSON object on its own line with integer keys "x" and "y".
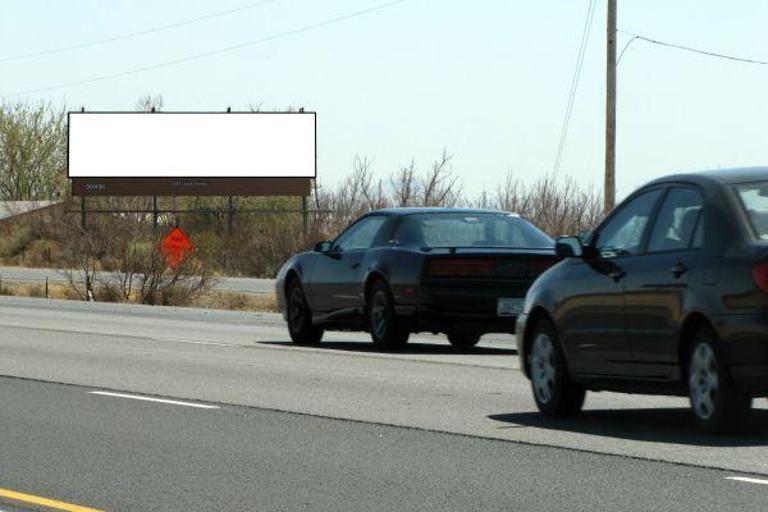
{"x": 229, "y": 301}
{"x": 55, "y": 291}
{"x": 232, "y": 301}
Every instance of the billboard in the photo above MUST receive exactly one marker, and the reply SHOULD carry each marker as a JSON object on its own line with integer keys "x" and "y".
{"x": 191, "y": 153}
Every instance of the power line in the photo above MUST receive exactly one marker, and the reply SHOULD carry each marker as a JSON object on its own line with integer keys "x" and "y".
{"x": 636, "y": 37}
{"x": 130, "y": 35}
{"x": 575, "y": 82}
{"x": 173, "y": 62}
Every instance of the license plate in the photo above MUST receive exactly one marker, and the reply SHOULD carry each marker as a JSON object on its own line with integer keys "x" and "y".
{"x": 509, "y": 307}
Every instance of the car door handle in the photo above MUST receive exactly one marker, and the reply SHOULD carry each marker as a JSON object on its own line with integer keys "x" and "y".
{"x": 679, "y": 269}
{"x": 354, "y": 265}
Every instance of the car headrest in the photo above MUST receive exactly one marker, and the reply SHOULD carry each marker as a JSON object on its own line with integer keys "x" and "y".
{"x": 410, "y": 233}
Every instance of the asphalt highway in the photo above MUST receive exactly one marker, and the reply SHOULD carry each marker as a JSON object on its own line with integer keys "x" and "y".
{"x": 114, "y": 407}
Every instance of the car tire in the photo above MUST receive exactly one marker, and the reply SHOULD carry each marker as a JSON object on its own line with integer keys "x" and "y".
{"x": 300, "y": 326}
{"x": 463, "y": 338}
{"x": 556, "y": 394}
{"x": 718, "y": 406}
{"x": 388, "y": 331}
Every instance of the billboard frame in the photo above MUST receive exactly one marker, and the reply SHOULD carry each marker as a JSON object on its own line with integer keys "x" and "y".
{"x": 196, "y": 185}
{"x": 213, "y": 186}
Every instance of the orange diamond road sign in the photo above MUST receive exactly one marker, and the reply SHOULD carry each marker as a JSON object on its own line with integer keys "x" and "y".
{"x": 175, "y": 247}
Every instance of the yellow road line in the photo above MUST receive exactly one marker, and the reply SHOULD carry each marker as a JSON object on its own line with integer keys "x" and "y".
{"x": 44, "y": 502}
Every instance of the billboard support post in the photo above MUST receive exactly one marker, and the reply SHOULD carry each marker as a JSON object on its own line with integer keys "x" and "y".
{"x": 230, "y": 214}
{"x": 82, "y": 213}
{"x": 304, "y": 214}
{"x": 154, "y": 212}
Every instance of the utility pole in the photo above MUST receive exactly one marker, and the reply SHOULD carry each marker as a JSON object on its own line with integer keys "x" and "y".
{"x": 610, "y": 111}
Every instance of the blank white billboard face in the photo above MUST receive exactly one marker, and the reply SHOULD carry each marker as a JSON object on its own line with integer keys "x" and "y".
{"x": 191, "y": 145}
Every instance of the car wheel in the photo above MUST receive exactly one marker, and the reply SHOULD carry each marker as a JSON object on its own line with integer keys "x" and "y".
{"x": 388, "y": 331}
{"x": 463, "y": 337}
{"x": 300, "y": 326}
{"x": 555, "y": 392}
{"x": 718, "y": 407}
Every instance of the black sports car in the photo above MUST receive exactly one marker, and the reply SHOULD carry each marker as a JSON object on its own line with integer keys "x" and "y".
{"x": 669, "y": 295}
{"x": 463, "y": 272}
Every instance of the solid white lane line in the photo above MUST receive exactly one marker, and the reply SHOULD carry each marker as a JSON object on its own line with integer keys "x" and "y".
{"x": 190, "y": 342}
{"x": 747, "y": 479}
{"x": 151, "y": 399}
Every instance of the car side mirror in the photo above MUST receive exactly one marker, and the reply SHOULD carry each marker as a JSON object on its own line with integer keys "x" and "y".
{"x": 323, "y": 246}
{"x": 569, "y": 247}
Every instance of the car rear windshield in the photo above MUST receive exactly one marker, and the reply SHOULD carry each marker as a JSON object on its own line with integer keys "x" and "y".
{"x": 470, "y": 230}
{"x": 754, "y": 197}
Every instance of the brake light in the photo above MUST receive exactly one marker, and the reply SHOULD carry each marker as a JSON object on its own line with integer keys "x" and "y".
{"x": 462, "y": 267}
{"x": 760, "y": 276}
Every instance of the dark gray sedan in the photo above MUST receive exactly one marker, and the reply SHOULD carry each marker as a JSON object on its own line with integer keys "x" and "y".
{"x": 463, "y": 272}
{"x": 669, "y": 295}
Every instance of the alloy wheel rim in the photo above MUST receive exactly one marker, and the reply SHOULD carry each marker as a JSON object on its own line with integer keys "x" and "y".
{"x": 378, "y": 314}
{"x": 543, "y": 368}
{"x": 296, "y": 309}
{"x": 703, "y": 381}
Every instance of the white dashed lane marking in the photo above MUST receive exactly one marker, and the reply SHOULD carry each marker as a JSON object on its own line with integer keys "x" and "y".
{"x": 747, "y": 480}
{"x": 152, "y": 399}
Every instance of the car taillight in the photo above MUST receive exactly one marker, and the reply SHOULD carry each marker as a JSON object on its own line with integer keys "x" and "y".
{"x": 462, "y": 267}
{"x": 760, "y": 276}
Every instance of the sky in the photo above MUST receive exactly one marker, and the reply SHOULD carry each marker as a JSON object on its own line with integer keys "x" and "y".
{"x": 487, "y": 80}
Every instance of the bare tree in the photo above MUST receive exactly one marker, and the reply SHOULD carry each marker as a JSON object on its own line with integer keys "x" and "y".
{"x": 80, "y": 267}
{"x": 255, "y": 106}
{"x": 33, "y": 149}
{"x": 440, "y": 187}
{"x": 404, "y": 185}
{"x": 150, "y": 101}
{"x": 556, "y": 204}
{"x": 118, "y": 259}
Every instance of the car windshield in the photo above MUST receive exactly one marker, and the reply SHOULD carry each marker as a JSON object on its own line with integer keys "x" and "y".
{"x": 470, "y": 230}
{"x": 754, "y": 197}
